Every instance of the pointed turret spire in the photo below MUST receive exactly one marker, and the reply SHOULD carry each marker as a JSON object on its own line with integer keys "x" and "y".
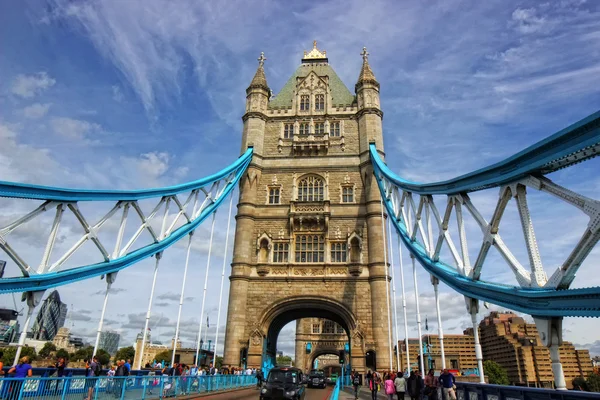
{"x": 260, "y": 80}
{"x": 366, "y": 74}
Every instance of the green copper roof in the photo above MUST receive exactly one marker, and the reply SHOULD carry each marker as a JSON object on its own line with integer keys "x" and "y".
{"x": 339, "y": 91}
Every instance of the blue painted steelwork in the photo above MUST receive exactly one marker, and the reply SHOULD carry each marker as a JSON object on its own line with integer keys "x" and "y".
{"x": 37, "y": 192}
{"x": 131, "y": 387}
{"x": 54, "y": 279}
{"x": 566, "y": 147}
{"x": 571, "y": 145}
{"x": 484, "y": 392}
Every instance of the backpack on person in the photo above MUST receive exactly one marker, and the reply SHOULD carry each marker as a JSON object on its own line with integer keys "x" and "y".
{"x": 97, "y": 369}
{"x": 356, "y": 380}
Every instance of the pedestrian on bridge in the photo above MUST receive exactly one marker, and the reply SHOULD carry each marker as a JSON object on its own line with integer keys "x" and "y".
{"x": 400, "y": 384}
{"x": 448, "y": 388}
{"x": 431, "y": 385}
{"x": 390, "y": 388}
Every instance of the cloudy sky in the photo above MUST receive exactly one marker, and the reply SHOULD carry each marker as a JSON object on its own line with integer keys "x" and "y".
{"x": 131, "y": 94}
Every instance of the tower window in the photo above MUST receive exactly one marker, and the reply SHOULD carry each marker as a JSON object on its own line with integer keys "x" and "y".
{"x": 310, "y": 248}
{"x": 304, "y": 102}
{"x": 320, "y": 102}
{"x": 304, "y": 129}
{"x": 288, "y": 131}
{"x": 320, "y": 128}
{"x": 339, "y": 328}
{"x": 338, "y": 252}
{"x": 316, "y": 328}
{"x": 280, "y": 252}
{"x": 310, "y": 189}
{"x": 347, "y": 194}
{"x": 328, "y": 327}
{"x": 274, "y": 196}
{"x": 334, "y": 129}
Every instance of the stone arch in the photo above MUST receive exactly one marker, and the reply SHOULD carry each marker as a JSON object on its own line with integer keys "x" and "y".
{"x": 320, "y": 352}
{"x": 281, "y": 312}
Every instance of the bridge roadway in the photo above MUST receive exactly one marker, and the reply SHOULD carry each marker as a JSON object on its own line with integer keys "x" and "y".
{"x": 253, "y": 394}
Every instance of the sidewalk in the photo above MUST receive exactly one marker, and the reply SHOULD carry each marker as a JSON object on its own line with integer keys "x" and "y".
{"x": 363, "y": 394}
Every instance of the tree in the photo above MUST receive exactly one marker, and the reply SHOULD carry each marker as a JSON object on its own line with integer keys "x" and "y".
{"x": 103, "y": 357}
{"x": 48, "y": 348}
{"x": 84, "y": 353}
{"x": 9, "y": 354}
{"x": 284, "y": 360}
{"x": 495, "y": 372}
{"x": 593, "y": 382}
{"x": 125, "y": 353}
{"x": 580, "y": 383}
{"x": 62, "y": 353}
{"x": 164, "y": 356}
{"x": 218, "y": 362}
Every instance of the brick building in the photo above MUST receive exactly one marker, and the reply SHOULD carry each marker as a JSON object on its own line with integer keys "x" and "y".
{"x": 516, "y": 345}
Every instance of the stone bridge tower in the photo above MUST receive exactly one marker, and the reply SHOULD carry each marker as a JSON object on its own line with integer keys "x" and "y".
{"x": 309, "y": 240}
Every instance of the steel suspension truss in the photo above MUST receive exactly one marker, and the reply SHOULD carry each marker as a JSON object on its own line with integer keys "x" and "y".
{"x": 177, "y": 212}
{"x": 424, "y": 230}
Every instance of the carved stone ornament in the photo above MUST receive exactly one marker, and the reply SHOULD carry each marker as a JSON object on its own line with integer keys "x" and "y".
{"x": 337, "y": 270}
{"x": 278, "y": 271}
{"x": 255, "y": 340}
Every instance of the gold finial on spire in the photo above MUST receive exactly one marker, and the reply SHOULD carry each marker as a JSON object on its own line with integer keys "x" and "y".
{"x": 261, "y": 59}
{"x": 315, "y": 54}
{"x": 365, "y": 54}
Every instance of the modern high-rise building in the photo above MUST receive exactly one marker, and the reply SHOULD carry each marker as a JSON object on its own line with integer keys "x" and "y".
{"x": 51, "y": 317}
{"x": 9, "y": 326}
{"x": 516, "y": 345}
{"x": 109, "y": 341}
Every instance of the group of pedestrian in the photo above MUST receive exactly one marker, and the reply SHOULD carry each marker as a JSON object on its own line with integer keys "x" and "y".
{"x": 414, "y": 386}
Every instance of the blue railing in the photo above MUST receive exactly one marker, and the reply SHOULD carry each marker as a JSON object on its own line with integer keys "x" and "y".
{"x": 129, "y": 387}
{"x": 335, "y": 394}
{"x": 473, "y": 391}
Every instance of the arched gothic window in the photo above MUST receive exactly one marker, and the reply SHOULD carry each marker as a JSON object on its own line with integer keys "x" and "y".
{"x": 311, "y": 188}
{"x": 263, "y": 252}
{"x": 319, "y": 102}
{"x": 304, "y": 102}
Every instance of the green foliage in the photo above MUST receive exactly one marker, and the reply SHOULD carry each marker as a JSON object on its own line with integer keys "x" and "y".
{"x": 218, "y": 362}
{"x": 593, "y": 382}
{"x": 48, "y": 348}
{"x": 495, "y": 372}
{"x": 9, "y": 354}
{"x": 103, "y": 357}
{"x": 62, "y": 353}
{"x": 84, "y": 353}
{"x": 580, "y": 383}
{"x": 125, "y": 353}
{"x": 164, "y": 356}
{"x": 284, "y": 360}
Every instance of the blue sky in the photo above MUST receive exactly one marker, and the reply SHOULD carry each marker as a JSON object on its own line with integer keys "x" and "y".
{"x": 117, "y": 94}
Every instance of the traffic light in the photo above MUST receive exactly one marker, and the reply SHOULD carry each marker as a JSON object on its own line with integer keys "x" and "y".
{"x": 342, "y": 357}
{"x": 244, "y": 355}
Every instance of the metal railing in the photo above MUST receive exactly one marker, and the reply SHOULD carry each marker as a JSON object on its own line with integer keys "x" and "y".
{"x": 128, "y": 387}
{"x": 473, "y": 391}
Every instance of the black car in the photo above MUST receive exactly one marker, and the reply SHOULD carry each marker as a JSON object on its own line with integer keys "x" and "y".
{"x": 317, "y": 379}
{"x": 283, "y": 383}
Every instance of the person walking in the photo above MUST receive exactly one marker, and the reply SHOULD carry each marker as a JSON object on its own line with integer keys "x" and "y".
{"x": 400, "y": 384}
{"x": 120, "y": 374}
{"x": 431, "y": 385}
{"x": 390, "y": 388}
{"x": 414, "y": 386}
{"x": 93, "y": 369}
{"x": 447, "y": 381}
{"x": 374, "y": 385}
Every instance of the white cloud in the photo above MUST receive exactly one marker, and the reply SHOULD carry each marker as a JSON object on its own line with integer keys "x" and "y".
{"x": 36, "y": 111}
{"x": 117, "y": 94}
{"x": 28, "y": 86}
{"x": 527, "y": 21}
{"x": 75, "y": 129}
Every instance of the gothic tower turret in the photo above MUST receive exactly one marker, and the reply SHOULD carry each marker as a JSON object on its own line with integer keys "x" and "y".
{"x": 308, "y": 240}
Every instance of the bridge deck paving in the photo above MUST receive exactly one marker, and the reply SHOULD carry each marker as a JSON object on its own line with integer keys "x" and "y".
{"x": 363, "y": 394}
